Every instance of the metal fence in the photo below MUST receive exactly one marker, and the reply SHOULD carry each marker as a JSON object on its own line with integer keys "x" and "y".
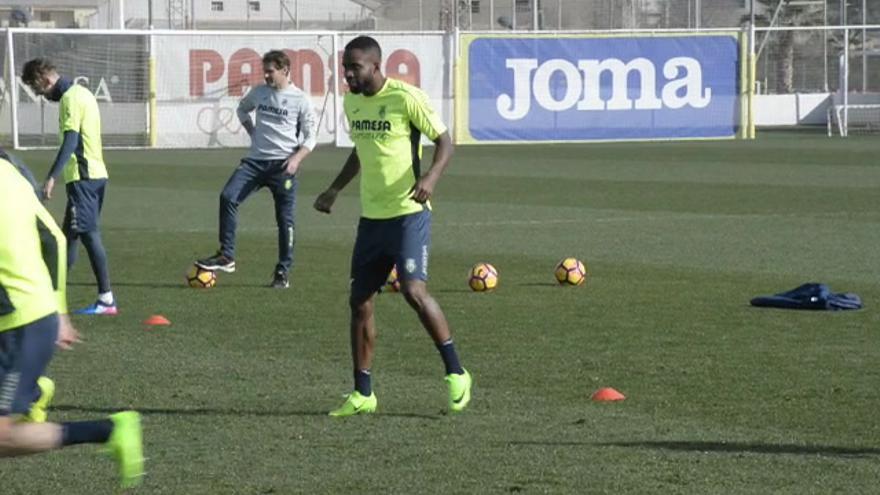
{"x": 816, "y": 67}
{"x": 500, "y": 15}
{"x": 788, "y": 61}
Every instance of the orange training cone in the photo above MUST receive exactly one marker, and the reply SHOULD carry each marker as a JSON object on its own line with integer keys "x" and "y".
{"x": 157, "y": 320}
{"x": 607, "y": 394}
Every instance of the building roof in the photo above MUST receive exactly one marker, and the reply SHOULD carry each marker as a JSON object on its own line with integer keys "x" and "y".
{"x": 60, "y": 4}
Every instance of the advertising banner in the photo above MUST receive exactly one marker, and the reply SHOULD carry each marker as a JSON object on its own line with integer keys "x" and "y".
{"x": 538, "y": 88}
{"x": 200, "y": 80}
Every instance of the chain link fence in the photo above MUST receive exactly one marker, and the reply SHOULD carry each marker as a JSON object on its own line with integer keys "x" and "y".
{"x": 420, "y": 15}
{"x": 788, "y": 61}
{"x": 802, "y": 53}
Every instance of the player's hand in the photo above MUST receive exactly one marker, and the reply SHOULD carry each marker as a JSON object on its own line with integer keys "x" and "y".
{"x": 291, "y": 166}
{"x": 325, "y": 200}
{"x": 67, "y": 335}
{"x": 423, "y": 189}
{"x": 47, "y": 188}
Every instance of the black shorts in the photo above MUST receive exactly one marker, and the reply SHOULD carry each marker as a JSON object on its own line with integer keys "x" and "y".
{"x": 380, "y": 244}
{"x": 24, "y": 354}
{"x": 84, "y": 201}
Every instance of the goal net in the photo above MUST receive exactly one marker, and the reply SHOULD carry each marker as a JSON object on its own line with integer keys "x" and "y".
{"x": 114, "y": 68}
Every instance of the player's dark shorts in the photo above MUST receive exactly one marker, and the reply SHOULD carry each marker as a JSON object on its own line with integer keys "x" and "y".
{"x": 381, "y": 244}
{"x": 84, "y": 201}
{"x": 24, "y": 354}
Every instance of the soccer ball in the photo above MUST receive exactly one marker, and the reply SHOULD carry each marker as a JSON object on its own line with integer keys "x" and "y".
{"x": 199, "y": 278}
{"x": 392, "y": 284}
{"x": 483, "y": 277}
{"x": 571, "y": 271}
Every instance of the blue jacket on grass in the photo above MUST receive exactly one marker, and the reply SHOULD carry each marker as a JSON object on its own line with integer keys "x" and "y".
{"x": 810, "y": 296}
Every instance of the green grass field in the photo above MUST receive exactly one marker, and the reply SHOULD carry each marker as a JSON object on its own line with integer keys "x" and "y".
{"x": 721, "y": 397}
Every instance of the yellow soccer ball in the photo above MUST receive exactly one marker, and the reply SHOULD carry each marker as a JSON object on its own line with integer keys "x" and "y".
{"x": 199, "y": 278}
{"x": 571, "y": 271}
{"x": 392, "y": 283}
{"x": 483, "y": 277}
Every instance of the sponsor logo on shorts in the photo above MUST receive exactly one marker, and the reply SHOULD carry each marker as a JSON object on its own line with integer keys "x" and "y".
{"x": 74, "y": 224}
{"x": 424, "y": 260}
{"x": 7, "y": 392}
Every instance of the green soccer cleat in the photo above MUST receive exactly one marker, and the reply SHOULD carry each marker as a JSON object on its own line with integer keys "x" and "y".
{"x": 126, "y": 447}
{"x": 459, "y": 390}
{"x": 355, "y": 403}
{"x": 38, "y": 412}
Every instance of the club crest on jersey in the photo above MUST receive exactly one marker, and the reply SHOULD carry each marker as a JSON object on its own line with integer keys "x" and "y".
{"x": 382, "y": 112}
{"x": 410, "y": 265}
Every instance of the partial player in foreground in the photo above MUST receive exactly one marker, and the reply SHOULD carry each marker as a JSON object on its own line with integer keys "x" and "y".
{"x": 282, "y": 135}
{"x": 81, "y": 161}
{"x": 387, "y": 118}
{"x": 33, "y": 321}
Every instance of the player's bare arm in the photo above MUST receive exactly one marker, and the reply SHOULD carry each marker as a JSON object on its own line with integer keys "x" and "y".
{"x": 424, "y": 187}
{"x": 48, "y": 186}
{"x": 352, "y": 166}
{"x": 67, "y": 333}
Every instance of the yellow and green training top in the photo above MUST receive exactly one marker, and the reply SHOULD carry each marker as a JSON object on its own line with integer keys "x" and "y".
{"x": 386, "y": 129}
{"x": 79, "y": 112}
{"x": 33, "y": 254}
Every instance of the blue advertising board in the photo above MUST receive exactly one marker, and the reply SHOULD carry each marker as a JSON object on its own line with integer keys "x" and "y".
{"x": 581, "y": 88}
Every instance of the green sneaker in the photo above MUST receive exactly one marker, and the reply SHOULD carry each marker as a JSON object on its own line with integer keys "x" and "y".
{"x": 355, "y": 403}
{"x": 38, "y": 412}
{"x": 459, "y": 390}
{"x": 126, "y": 447}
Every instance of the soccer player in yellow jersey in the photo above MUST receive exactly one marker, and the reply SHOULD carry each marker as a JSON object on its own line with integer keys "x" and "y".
{"x": 387, "y": 118}
{"x": 80, "y": 161}
{"x": 33, "y": 321}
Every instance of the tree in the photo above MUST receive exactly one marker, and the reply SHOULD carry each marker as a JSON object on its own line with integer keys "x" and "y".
{"x": 786, "y": 13}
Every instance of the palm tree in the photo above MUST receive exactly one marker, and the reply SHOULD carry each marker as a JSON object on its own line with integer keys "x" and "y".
{"x": 786, "y": 13}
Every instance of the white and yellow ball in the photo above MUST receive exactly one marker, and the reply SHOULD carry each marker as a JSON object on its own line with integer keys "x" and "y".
{"x": 199, "y": 278}
{"x": 571, "y": 271}
{"x": 483, "y": 277}
{"x": 392, "y": 283}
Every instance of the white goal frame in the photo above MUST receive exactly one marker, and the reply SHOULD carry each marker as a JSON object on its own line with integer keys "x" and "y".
{"x": 839, "y": 109}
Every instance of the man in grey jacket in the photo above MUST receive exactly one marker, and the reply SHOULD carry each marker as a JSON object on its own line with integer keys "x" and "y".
{"x": 282, "y": 133}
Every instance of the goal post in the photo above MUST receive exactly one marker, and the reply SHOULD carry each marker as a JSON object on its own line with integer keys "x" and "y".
{"x": 111, "y": 64}
{"x": 855, "y": 107}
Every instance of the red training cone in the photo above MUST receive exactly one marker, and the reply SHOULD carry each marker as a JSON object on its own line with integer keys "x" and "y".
{"x": 607, "y": 394}
{"x": 157, "y": 320}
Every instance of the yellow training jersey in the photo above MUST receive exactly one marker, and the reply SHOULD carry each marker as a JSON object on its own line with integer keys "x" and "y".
{"x": 33, "y": 254}
{"x": 79, "y": 112}
{"x": 386, "y": 129}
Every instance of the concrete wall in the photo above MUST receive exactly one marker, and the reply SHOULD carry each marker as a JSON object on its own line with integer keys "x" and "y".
{"x": 794, "y": 109}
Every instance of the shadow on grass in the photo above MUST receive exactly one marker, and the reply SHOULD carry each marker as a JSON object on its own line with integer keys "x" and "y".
{"x": 172, "y": 285}
{"x": 207, "y": 411}
{"x": 538, "y": 284}
{"x": 753, "y": 448}
{"x": 149, "y": 285}
{"x": 726, "y": 447}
